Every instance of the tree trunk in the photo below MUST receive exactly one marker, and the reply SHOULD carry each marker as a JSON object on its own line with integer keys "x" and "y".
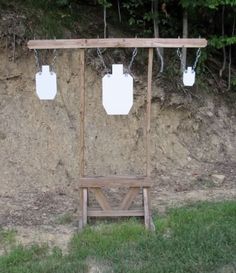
{"x": 160, "y": 51}
{"x": 223, "y": 49}
{"x": 185, "y": 35}
{"x": 230, "y": 58}
{"x": 105, "y": 21}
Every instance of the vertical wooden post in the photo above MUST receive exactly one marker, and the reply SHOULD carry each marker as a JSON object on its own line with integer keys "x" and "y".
{"x": 148, "y": 111}
{"x": 146, "y": 201}
{"x": 84, "y": 207}
{"x": 84, "y": 191}
{"x": 146, "y": 205}
{"x": 82, "y": 108}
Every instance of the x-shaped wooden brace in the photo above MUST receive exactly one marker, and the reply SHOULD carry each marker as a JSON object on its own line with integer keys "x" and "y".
{"x": 96, "y": 184}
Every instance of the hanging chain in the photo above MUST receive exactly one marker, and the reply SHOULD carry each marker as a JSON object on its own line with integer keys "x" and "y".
{"x": 134, "y": 54}
{"x": 37, "y": 60}
{"x": 198, "y": 55}
{"x": 54, "y": 60}
{"x": 102, "y": 60}
{"x": 36, "y": 55}
{"x": 180, "y": 55}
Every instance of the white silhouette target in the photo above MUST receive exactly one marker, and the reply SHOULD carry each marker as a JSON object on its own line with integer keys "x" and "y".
{"x": 189, "y": 77}
{"x": 117, "y": 91}
{"x": 46, "y": 84}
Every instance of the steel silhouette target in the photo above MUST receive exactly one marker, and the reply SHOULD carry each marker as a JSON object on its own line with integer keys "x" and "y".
{"x": 46, "y": 84}
{"x": 189, "y": 77}
{"x": 117, "y": 91}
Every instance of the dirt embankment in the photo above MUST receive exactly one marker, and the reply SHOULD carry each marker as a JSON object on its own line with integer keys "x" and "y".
{"x": 192, "y": 138}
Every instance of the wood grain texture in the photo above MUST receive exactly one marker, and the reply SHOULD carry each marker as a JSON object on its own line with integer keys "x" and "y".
{"x": 129, "y": 198}
{"x": 146, "y": 204}
{"x": 148, "y": 112}
{"x": 114, "y": 182}
{"x": 101, "y": 198}
{"x": 114, "y": 213}
{"x": 85, "y": 207}
{"x": 117, "y": 43}
{"x": 81, "y": 85}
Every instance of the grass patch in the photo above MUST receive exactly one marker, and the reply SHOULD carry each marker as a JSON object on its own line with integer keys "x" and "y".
{"x": 198, "y": 238}
{"x": 7, "y": 239}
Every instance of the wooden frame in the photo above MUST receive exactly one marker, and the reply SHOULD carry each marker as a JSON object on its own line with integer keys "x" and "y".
{"x": 133, "y": 183}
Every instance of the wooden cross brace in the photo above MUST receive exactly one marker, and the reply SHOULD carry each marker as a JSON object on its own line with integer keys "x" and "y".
{"x": 96, "y": 184}
{"x": 134, "y": 184}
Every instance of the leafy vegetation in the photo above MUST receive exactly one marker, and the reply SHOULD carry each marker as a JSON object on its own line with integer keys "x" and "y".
{"x": 198, "y": 238}
{"x": 212, "y": 19}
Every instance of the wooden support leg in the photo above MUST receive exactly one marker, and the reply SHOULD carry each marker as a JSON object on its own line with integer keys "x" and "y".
{"x": 83, "y": 207}
{"x": 146, "y": 204}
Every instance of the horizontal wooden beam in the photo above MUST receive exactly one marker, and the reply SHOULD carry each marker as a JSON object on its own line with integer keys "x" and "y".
{"x": 117, "y": 42}
{"x": 114, "y": 181}
{"x": 114, "y": 213}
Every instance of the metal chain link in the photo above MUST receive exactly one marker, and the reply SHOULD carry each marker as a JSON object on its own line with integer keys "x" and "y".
{"x": 102, "y": 60}
{"x": 54, "y": 60}
{"x": 36, "y": 56}
{"x": 198, "y": 55}
{"x": 37, "y": 60}
{"x": 134, "y": 54}
{"x": 180, "y": 55}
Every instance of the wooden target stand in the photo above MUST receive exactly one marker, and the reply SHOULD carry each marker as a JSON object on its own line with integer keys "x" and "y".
{"x": 133, "y": 183}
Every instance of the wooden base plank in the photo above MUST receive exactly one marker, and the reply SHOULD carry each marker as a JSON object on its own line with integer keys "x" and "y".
{"x": 115, "y": 181}
{"x": 114, "y": 213}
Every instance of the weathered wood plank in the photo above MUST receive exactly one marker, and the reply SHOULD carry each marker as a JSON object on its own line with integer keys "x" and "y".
{"x": 114, "y": 181}
{"x": 129, "y": 198}
{"x": 84, "y": 191}
{"x": 114, "y": 213}
{"x": 81, "y": 85}
{"x": 117, "y": 42}
{"x": 101, "y": 198}
{"x": 85, "y": 207}
{"x": 148, "y": 112}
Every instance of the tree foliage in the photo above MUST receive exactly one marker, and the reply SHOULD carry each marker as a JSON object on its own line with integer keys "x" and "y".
{"x": 212, "y": 19}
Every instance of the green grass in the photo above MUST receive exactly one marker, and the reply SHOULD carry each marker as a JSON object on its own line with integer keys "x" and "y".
{"x": 7, "y": 239}
{"x": 198, "y": 238}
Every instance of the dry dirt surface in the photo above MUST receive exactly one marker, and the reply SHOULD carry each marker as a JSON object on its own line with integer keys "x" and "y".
{"x": 192, "y": 138}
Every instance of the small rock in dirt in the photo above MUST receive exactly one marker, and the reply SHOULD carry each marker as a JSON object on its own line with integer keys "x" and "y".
{"x": 218, "y": 178}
